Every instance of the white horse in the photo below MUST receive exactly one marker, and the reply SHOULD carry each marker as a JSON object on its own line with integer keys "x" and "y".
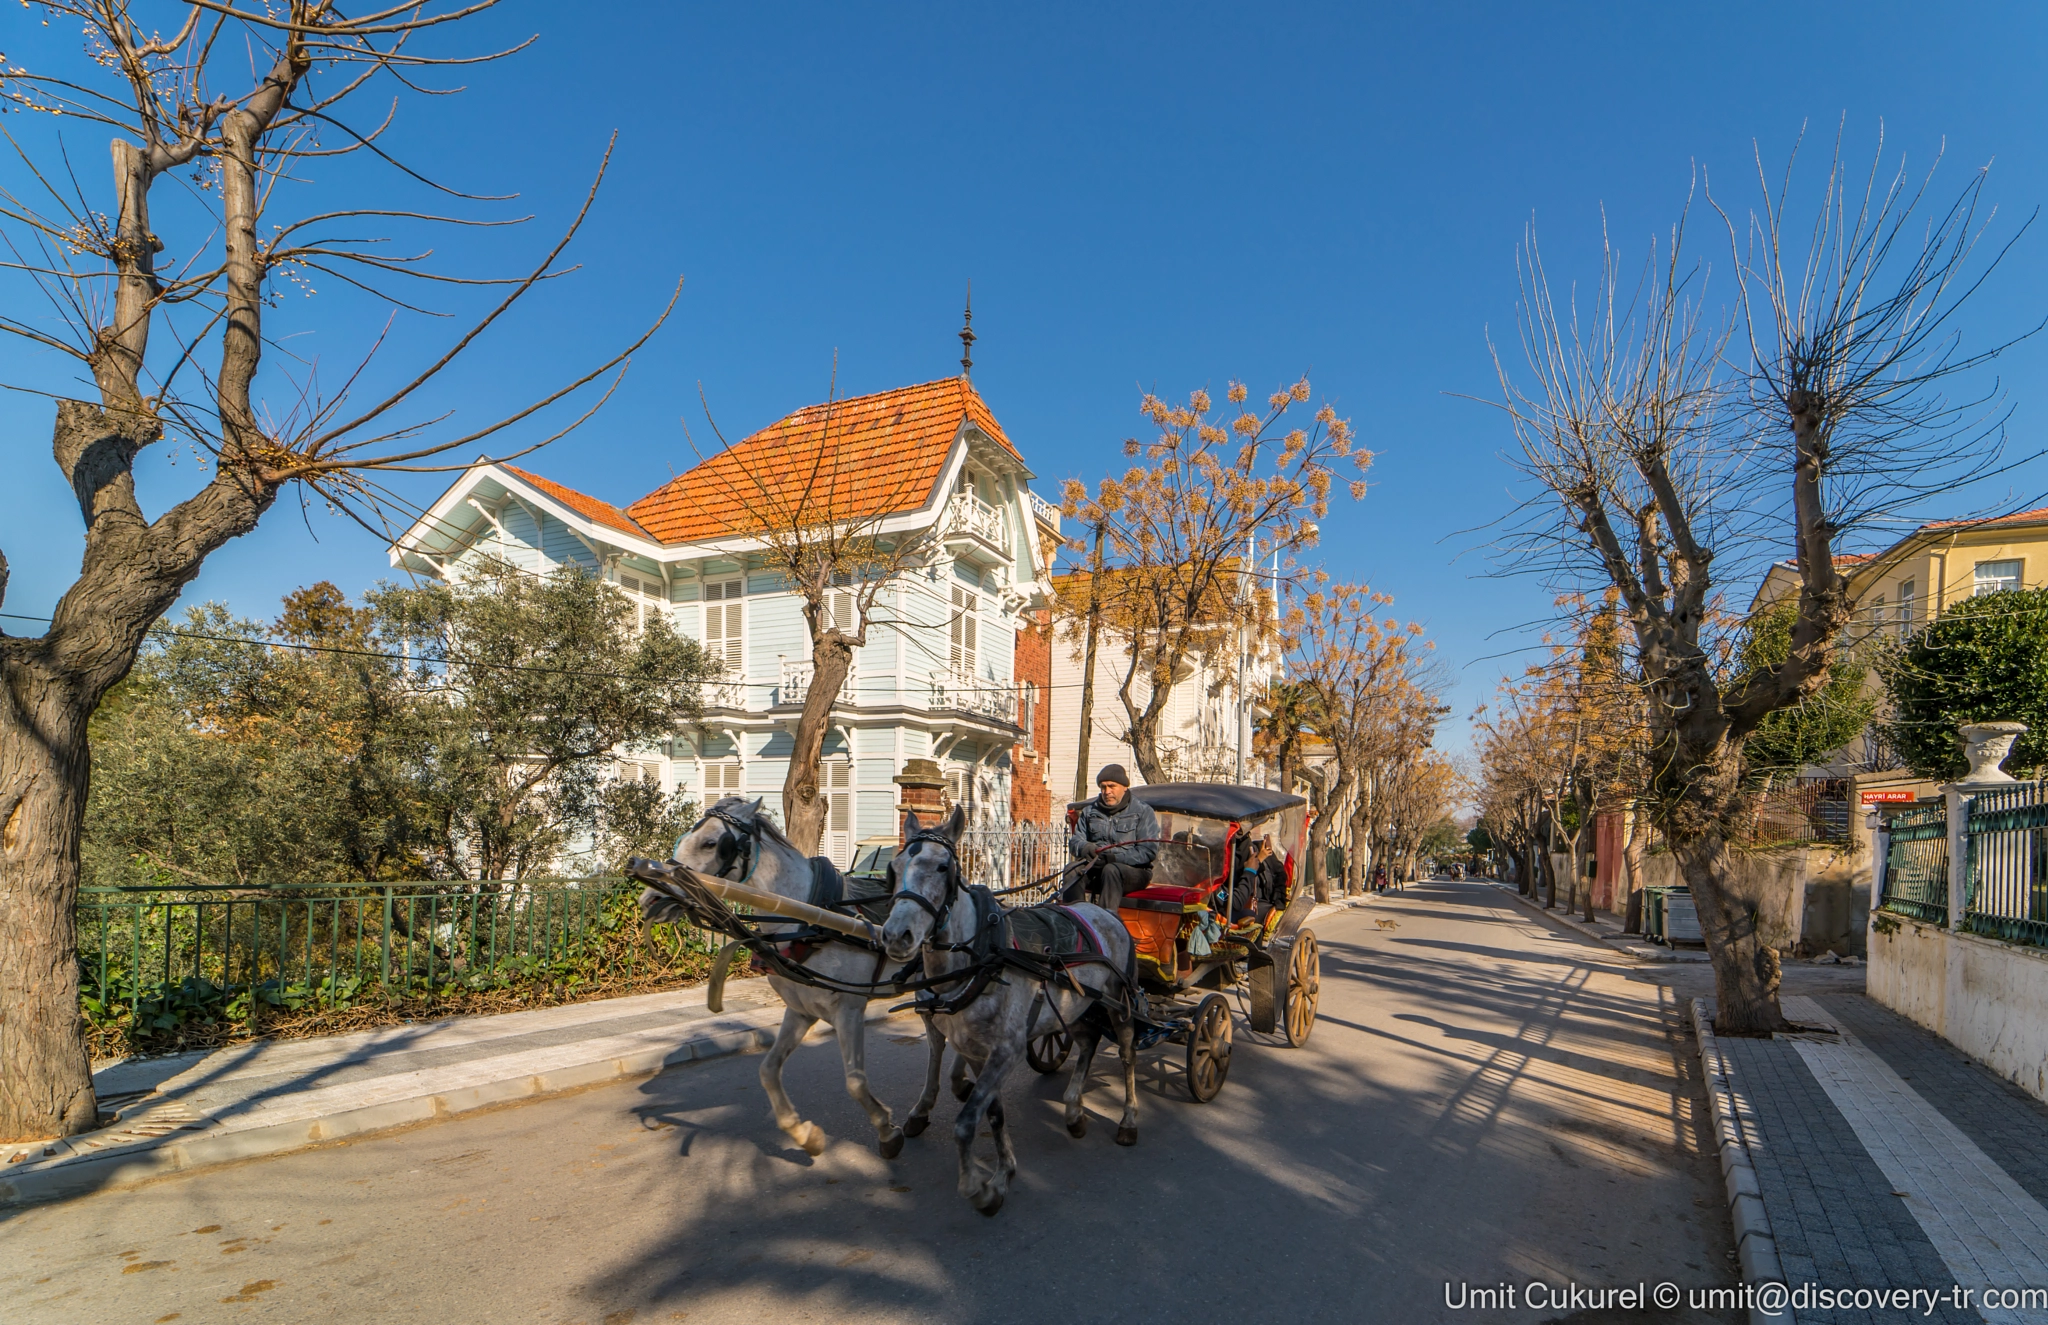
{"x": 734, "y": 842}
{"x": 988, "y": 1020}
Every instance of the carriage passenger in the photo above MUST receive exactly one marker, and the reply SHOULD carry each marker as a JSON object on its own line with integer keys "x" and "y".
{"x": 1261, "y": 883}
{"x": 1115, "y": 833}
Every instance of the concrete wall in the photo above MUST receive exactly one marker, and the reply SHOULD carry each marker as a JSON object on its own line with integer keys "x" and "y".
{"x": 1987, "y": 997}
{"x": 1808, "y": 900}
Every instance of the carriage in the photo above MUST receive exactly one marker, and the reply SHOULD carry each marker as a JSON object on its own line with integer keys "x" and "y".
{"x": 1200, "y": 937}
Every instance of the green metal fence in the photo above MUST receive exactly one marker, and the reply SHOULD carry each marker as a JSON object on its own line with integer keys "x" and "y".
{"x": 2006, "y": 889}
{"x": 329, "y": 943}
{"x": 1916, "y": 868}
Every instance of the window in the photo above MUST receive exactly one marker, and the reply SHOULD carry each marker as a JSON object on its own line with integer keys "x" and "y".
{"x": 648, "y": 596}
{"x": 956, "y": 788}
{"x": 723, "y": 779}
{"x": 639, "y": 770}
{"x": 970, "y": 483}
{"x": 1993, "y": 576}
{"x": 722, "y": 639}
{"x": 839, "y": 607}
{"x": 1878, "y": 615}
{"x": 1905, "y": 609}
{"x": 835, "y": 780}
{"x": 964, "y": 631}
{"x": 1027, "y": 713}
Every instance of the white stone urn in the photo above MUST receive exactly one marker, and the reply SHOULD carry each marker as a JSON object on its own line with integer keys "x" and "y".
{"x": 1985, "y": 745}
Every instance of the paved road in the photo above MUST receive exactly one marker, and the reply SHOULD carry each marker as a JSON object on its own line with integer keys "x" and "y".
{"x": 1485, "y": 1100}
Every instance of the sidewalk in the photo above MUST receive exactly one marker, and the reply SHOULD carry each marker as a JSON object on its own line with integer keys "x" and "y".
{"x": 187, "y": 1111}
{"x": 1606, "y": 929}
{"x": 1886, "y": 1159}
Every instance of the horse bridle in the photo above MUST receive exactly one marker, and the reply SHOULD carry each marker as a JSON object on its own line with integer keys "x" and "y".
{"x": 747, "y": 847}
{"x": 937, "y": 912}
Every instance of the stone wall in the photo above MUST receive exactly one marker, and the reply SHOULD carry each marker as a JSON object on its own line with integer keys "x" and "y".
{"x": 1987, "y": 997}
{"x": 1809, "y": 899}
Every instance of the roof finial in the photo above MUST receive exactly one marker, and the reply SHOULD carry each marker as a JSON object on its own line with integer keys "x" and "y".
{"x": 967, "y": 336}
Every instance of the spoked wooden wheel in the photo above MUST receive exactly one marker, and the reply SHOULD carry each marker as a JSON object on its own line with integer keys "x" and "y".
{"x": 1047, "y": 1052}
{"x": 1208, "y": 1048}
{"x": 1304, "y": 983}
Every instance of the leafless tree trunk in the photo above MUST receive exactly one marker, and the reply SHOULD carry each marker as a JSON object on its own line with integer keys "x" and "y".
{"x": 105, "y": 280}
{"x": 1655, "y": 475}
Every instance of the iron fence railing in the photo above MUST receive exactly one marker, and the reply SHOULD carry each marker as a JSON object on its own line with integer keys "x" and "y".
{"x": 1010, "y": 856}
{"x": 1815, "y": 810}
{"x": 1916, "y": 867}
{"x": 290, "y": 946}
{"x": 2006, "y": 888}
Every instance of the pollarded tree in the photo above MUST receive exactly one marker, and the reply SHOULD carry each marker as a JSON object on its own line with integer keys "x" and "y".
{"x": 1220, "y": 491}
{"x": 1658, "y": 475}
{"x": 165, "y": 299}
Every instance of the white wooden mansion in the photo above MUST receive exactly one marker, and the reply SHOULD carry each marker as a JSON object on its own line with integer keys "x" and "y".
{"x": 936, "y": 679}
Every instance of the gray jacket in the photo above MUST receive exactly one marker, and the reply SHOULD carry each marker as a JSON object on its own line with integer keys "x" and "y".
{"x": 1132, "y": 822}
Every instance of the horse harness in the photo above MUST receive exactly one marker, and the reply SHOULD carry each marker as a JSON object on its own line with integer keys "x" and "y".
{"x": 1045, "y": 942}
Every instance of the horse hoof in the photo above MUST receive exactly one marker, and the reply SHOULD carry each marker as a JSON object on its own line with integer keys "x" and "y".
{"x": 1079, "y": 1127}
{"x": 915, "y": 1126}
{"x": 1127, "y": 1136}
{"x": 892, "y": 1145}
{"x": 962, "y": 1089}
{"x": 995, "y": 1203}
{"x": 813, "y": 1139}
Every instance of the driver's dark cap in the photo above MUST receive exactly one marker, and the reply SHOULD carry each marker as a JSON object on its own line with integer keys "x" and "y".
{"x": 1113, "y": 773}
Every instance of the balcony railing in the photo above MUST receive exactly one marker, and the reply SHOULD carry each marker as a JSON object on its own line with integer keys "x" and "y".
{"x": 796, "y": 682}
{"x": 970, "y": 515}
{"x": 727, "y": 693}
{"x": 981, "y": 699}
{"x": 1047, "y": 511}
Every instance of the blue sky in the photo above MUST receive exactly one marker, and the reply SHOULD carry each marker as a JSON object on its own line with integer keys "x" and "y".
{"x": 1144, "y": 197}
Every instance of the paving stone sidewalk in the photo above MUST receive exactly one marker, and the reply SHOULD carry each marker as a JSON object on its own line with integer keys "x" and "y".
{"x": 188, "y": 1110}
{"x": 1888, "y": 1160}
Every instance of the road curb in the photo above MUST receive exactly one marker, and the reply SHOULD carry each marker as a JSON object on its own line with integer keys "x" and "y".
{"x": 1756, "y": 1249}
{"x": 183, "y": 1151}
{"x": 1630, "y": 945}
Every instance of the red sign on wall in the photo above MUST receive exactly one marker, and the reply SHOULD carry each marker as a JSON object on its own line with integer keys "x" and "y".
{"x": 1886, "y": 796}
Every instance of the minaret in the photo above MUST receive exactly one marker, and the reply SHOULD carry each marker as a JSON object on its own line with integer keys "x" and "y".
{"x": 967, "y": 336}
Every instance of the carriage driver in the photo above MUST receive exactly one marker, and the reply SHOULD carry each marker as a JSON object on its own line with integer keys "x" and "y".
{"x": 1114, "y": 833}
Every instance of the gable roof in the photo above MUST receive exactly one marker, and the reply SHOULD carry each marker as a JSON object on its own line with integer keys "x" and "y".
{"x": 587, "y": 506}
{"x": 887, "y": 451}
{"x": 2039, "y": 515}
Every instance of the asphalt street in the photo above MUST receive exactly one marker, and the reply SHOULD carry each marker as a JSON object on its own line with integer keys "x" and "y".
{"x": 1486, "y": 1100}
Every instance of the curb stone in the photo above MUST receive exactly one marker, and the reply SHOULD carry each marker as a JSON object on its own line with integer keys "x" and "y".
{"x": 154, "y": 1138}
{"x": 180, "y": 1150}
{"x": 1756, "y": 1249}
{"x": 1632, "y": 945}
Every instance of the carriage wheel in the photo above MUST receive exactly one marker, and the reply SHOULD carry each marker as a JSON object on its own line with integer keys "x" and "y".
{"x": 1047, "y": 1052}
{"x": 1208, "y": 1048}
{"x": 1304, "y": 983}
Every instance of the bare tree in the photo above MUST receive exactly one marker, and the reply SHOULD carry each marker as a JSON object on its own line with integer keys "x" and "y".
{"x": 1665, "y": 477}
{"x": 831, "y": 525}
{"x": 247, "y": 96}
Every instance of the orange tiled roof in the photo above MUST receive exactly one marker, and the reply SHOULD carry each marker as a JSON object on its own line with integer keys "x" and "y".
{"x": 888, "y": 450}
{"x": 2038, "y": 515}
{"x": 601, "y": 511}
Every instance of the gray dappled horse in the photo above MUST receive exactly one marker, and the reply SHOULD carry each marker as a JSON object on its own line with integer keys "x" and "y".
{"x": 934, "y": 913}
{"x": 735, "y": 842}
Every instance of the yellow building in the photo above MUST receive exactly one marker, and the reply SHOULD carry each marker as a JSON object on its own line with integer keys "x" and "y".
{"x": 1937, "y": 565}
